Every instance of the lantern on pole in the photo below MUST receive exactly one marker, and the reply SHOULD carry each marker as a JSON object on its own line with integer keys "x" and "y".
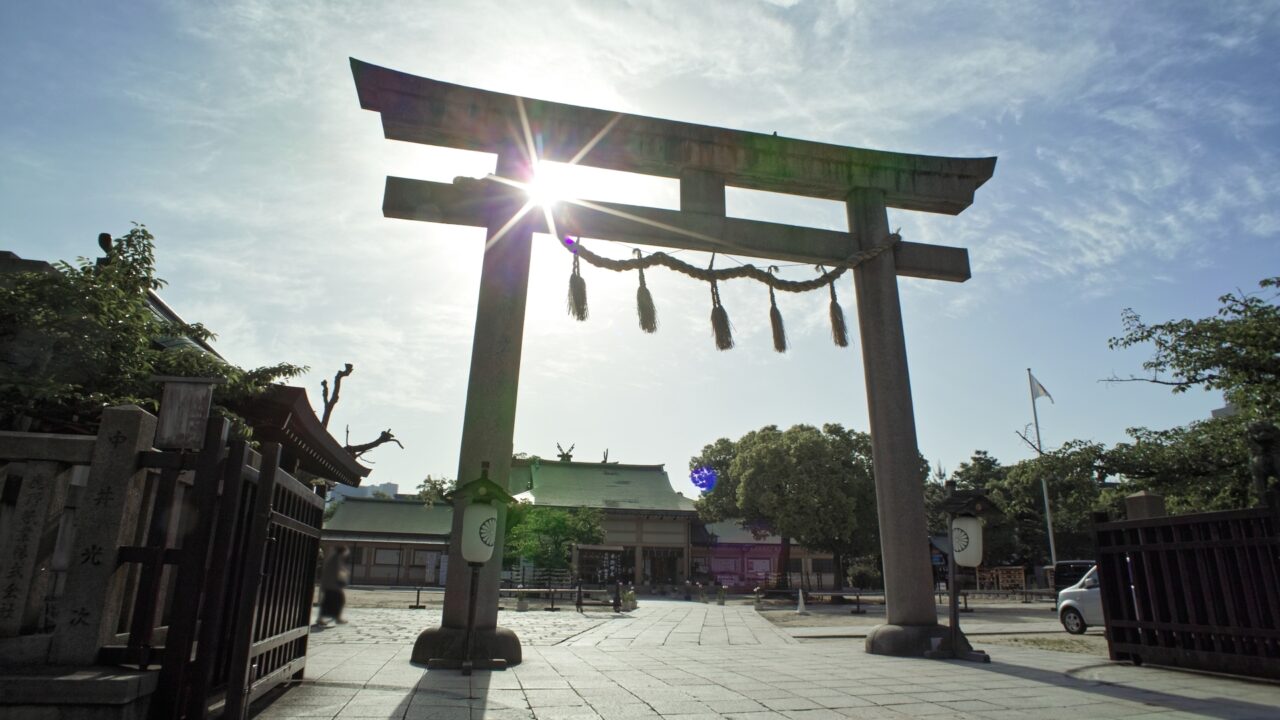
{"x": 966, "y": 511}
{"x": 479, "y": 499}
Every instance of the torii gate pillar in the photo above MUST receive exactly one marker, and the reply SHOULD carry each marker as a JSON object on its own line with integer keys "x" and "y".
{"x": 911, "y": 618}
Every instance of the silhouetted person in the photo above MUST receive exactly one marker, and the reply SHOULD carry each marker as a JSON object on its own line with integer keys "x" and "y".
{"x": 333, "y": 578}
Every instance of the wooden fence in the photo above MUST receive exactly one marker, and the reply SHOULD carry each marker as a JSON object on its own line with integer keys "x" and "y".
{"x": 199, "y": 562}
{"x": 1197, "y": 591}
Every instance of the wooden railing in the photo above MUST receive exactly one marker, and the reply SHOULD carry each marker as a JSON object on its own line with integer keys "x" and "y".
{"x": 1197, "y": 591}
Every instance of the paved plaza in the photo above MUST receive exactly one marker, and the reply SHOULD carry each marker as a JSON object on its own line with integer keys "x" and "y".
{"x": 675, "y": 659}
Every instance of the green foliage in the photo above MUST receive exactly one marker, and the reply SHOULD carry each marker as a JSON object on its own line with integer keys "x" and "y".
{"x": 545, "y": 536}
{"x": 84, "y": 337}
{"x": 980, "y": 471}
{"x": 1071, "y": 475}
{"x": 813, "y": 486}
{"x": 1200, "y": 467}
{"x": 1233, "y": 351}
{"x": 331, "y": 507}
{"x": 432, "y": 490}
{"x": 721, "y": 503}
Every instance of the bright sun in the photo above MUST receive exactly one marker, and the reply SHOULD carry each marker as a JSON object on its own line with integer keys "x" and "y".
{"x": 549, "y": 185}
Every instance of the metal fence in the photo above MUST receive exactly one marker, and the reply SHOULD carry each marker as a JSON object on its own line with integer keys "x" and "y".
{"x": 1198, "y": 591}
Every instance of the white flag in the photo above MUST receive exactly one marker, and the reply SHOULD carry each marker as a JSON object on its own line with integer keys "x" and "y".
{"x": 1037, "y": 390}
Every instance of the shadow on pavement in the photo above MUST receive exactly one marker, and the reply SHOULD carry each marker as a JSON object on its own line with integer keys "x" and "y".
{"x": 1218, "y": 707}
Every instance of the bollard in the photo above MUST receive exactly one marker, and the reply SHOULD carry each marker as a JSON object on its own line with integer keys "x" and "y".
{"x": 417, "y": 602}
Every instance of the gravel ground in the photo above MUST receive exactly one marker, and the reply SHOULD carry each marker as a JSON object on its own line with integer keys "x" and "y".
{"x": 783, "y": 614}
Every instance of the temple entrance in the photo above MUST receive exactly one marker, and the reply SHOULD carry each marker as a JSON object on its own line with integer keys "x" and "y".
{"x": 599, "y": 564}
{"x": 523, "y": 132}
{"x": 663, "y": 566}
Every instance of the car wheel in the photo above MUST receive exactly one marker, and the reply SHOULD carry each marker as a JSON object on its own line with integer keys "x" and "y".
{"x": 1073, "y": 621}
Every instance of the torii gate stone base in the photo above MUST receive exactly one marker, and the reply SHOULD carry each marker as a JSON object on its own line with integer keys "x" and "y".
{"x": 705, "y": 160}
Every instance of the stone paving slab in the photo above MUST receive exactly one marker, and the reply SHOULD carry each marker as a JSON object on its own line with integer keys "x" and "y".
{"x": 693, "y": 673}
{"x": 969, "y": 628}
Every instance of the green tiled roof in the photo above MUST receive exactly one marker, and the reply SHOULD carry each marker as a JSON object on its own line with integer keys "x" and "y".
{"x": 609, "y": 486}
{"x": 390, "y": 517}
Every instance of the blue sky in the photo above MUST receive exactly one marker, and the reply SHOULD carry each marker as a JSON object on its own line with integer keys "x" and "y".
{"x": 1138, "y": 166}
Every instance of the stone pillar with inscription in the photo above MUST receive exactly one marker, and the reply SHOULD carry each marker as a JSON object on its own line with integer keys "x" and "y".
{"x": 107, "y": 514}
{"x": 25, "y": 567}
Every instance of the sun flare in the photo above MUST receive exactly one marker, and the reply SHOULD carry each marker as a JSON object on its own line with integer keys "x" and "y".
{"x": 549, "y": 186}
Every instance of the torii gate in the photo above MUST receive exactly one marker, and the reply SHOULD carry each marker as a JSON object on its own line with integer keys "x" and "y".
{"x": 705, "y": 159}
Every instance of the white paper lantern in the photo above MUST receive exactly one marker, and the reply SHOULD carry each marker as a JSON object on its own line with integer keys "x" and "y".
{"x": 479, "y": 531}
{"x": 966, "y": 540}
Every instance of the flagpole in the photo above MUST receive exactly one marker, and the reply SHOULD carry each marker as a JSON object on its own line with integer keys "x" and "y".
{"x": 1044, "y": 487}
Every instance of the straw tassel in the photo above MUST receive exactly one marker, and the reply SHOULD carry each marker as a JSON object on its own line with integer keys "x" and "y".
{"x": 644, "y": 305}
{"x": 775, "y": 319}
{"x": 839, "y": 332}
{"x": 720, "y": 326}
{"x": 577, "y": 301}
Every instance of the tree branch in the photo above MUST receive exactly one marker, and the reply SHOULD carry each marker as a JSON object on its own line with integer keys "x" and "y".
{"x": 1157, "y": 381}
{"x": 1026, "y": 440}
{"x": 332, "y": 400}
{"x": 385, "y": 437}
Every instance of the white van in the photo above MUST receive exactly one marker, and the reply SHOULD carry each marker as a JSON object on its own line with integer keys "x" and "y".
{"x": 1080, "y": 605}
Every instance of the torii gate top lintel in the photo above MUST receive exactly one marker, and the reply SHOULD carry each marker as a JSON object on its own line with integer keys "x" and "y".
{"x": 422, "y": 110}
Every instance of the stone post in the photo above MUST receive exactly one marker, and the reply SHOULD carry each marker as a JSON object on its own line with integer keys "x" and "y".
{"x": 25, "y": 567}
{"x": 1144, "y": 505}
{"x": 106, "y": 518}
{"x": 489, "y": 420}
{"x": 911, "y": 617}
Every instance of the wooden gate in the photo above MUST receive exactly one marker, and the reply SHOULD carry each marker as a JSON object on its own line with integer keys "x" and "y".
{"x": 1198, "y": 591}
{"x": 277, "y": 573}
{"x": 241, "y": 602}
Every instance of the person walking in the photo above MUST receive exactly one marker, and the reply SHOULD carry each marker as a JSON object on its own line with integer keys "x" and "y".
{"x": 333, "y": 578}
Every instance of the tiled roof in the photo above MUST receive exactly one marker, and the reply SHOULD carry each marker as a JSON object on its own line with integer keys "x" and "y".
{"x": 609, "y": 486}
{"x": 390, "y": 517}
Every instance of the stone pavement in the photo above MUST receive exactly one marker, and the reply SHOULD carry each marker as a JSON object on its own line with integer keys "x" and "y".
{"x": 674, "y": 659}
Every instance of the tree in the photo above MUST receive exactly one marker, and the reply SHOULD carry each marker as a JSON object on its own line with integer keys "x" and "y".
{"x": 720, "y": 502}
{"x": 1204, "y": 465}
{"x": 545, "y": 536}
{"x": 981, "y": 470}
{"x": 1234, "y": 351}
{"x": 813, "y": 486}
{"x": 330, "y": 400}
{"x": 432, "y": 490}
{"x": 84, "y": 337}
{"x": 1072, "y": 475}
{"x": 1199, "y": 467}
{"x": 331, "y": 507}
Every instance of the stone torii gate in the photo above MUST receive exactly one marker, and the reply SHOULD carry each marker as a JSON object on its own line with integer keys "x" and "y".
{"x": 705, "y": 160}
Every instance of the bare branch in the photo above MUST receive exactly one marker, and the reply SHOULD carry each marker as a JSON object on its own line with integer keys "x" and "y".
{"x": 332, "y": 400}
{"x": 1027, "y": 440}
{"x": 385, "y": 437}
{"x": 1157, "y": 381}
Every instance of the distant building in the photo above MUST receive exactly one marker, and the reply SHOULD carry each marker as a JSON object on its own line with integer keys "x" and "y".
{"x": 647, "y": 524}
{"x": 391, "y": 490}
{"x": 729, "y": 554}
{"x": 392, "y": 542}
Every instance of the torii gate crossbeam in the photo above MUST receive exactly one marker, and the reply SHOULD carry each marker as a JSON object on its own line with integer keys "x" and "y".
{"x": 705, "y": 160}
